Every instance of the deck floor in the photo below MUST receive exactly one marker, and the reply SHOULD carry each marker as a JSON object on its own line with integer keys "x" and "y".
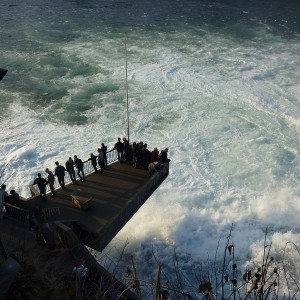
{"x": 111, "y": 192}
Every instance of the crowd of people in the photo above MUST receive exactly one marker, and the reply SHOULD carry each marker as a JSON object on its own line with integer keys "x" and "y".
{"x": 60, "y": 173}
{"x": 139, "y": 155}
{"x": 136, "y": 153}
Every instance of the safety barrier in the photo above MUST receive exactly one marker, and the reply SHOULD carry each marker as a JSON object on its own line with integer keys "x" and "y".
{"x": 15, "y": 212}
{"x": 49, "y": 212}
{"x": 112, "y": 156}
{"x": 21, "y": 214}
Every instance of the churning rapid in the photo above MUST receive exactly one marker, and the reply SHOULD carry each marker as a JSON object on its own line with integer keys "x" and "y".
{"x": 217, "y": 83}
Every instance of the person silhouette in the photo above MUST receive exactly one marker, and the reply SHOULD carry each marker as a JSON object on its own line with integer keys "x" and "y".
{"x": 41, "y": 182}
{"x": 60, "y": 174}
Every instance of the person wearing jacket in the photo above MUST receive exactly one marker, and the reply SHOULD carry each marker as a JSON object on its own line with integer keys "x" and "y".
{"x": 79, "y": 165}
{"x": 41, "y": 183}
{"x": 60, "y": 174}
{"x": 70, "y": 169}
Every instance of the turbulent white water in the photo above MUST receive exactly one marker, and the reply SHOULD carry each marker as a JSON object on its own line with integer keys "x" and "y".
{"x": 217, "y": 84}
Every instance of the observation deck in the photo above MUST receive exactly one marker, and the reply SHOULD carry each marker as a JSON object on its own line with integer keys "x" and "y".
{"x": 116, "y": 195}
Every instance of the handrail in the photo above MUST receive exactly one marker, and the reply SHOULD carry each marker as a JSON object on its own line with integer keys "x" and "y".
{"x": 21, "y": 214}
{"x": 16, "y": 212}
{"x": 112, "y": 156}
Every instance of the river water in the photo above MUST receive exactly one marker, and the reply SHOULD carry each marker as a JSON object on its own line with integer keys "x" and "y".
{"x": 217, "y": 82}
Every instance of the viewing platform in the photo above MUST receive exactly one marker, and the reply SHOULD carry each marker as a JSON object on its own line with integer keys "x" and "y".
{"x": 115, "y": 196}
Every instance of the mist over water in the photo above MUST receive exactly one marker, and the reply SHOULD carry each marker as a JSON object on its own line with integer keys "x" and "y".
{"x": 217, "y": 83}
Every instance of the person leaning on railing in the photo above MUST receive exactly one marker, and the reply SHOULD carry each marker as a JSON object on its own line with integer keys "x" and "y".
{"x": 104, "y": 150}
{"x": 93, "y": 160}
{"x": 101, "y": 161}
{"x": 79, "y": 164}
{"x": 41, "y": 182}
{"x": 70, "y": 167}
{"x": 50, "y": 180}
{"x": 60, "y": 174}
{"x": 155, "y": 167}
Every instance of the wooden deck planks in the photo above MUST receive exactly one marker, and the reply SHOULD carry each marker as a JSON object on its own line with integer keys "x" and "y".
{"x": 111, "y": 192}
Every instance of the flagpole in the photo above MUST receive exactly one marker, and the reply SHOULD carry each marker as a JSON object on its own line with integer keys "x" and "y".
{"x": 126, "y": 76}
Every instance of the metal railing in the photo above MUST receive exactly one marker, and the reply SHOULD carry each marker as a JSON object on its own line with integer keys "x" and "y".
{"x": 21, "y": 214}
{"x": 16, "y": 212}
{"x": 112, "y": 156}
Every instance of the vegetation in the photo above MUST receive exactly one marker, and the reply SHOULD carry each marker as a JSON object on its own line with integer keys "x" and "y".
{"x": 40, "y": 279}
{"x": 270, "y": 280}
{"x": 224, "y": 280}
